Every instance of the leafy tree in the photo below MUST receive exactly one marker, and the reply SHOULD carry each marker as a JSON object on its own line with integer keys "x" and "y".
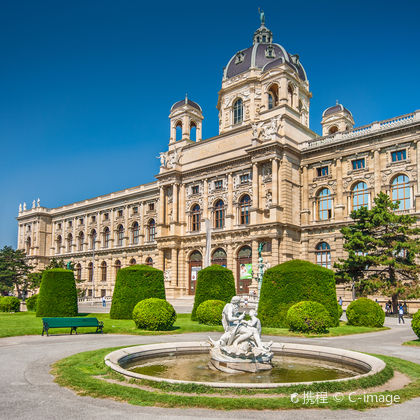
{"x": 14, "y": 271}
{"x": 382, "y": 249}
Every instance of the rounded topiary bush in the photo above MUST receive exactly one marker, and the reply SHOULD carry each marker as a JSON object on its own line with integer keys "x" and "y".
{"x": 31, "y": 303}
{"x": 213, "y": 283}
{"x": 9, "y": 304}
{"x": 415, "y": 323}
{"x": 292, "y": 282}
{"x": 133, "y": 284}
{"x": 365, "y": 312}
{"x": 210, "y": 312}
{"x": 308, "y": 317}
{"x": 154, "y": 315}
{"x": 57, "y": 294}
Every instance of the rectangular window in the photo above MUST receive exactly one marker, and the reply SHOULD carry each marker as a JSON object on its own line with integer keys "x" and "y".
{"x": 399, "y": 155}
{"x": 93, "y": 219}
{"x": 106, "y": 216}
{"x": 322, "y": 171}
{"x": 70, "y": 223}
{"x": 135, "y": 210}
{"x": 244, "y": 178}
{"x": 195, "y": 189}
{"x": 120, "y": 213}
{"x": 358, "y": 164}
{"x": 59, "y": 226}
{"x": 81, "y": 221}
{"x": 103, "y": 292}
{"x": 151, "y": 206}
{"x": 218, "y": 185}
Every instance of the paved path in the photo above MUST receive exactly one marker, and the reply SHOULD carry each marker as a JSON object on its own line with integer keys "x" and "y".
{"x": 27, "y": 390}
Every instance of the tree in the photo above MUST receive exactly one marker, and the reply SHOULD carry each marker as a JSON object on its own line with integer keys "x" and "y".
{"x": 382, "y": 249}
{"x": 14, "y": 271}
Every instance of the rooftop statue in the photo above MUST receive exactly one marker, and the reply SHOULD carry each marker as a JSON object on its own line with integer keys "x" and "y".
{"x": 262, "y": 16}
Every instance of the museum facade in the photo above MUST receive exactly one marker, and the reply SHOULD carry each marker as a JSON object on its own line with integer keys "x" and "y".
{"x": 267, "y": 178}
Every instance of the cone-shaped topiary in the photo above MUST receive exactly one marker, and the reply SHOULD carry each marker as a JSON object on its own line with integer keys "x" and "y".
{"x": 210, "y": 312}
{"x": 213, "y": 282}
{"x": 366, "y": 313}
{"x": 292, "y": 282}
{"x": 133, "y": 284}
{"x": 57, "y": 294}
{"x": 308, "y": 317}
{"x": 415, "y": 323}
{"x": 154, "y": 315}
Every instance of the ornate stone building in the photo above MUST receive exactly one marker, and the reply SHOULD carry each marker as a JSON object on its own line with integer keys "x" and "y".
{"x": 267, "y": 177}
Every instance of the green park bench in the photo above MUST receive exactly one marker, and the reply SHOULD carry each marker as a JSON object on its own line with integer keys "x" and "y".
{"x": 72, "y": 323}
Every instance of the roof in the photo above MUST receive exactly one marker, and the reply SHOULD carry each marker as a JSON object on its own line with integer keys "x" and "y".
{"x": 186, "y": 101}
{"x": 335, "y": 109}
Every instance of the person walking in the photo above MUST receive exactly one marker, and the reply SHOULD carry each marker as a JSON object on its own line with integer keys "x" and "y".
{"x": 401, "y": 314}
{"x": 340, "y": 301}
{"x": 103, "y": 301}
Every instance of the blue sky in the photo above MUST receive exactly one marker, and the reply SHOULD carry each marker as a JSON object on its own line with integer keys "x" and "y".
{"x": 86, "y": 86}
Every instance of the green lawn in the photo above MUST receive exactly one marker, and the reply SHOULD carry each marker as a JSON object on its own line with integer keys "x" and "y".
{"x": 26, "y": 323}
{"x": 412, "y": 343}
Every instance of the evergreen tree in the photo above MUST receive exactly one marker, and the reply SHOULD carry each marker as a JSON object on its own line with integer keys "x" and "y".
{"x": 14, "y": 271}
{"x": 382, "y": 250}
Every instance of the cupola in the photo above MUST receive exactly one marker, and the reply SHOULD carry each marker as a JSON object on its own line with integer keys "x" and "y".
{"x": 336, "y": 119}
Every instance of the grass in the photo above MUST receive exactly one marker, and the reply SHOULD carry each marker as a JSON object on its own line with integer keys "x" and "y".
{"x": 80, "y": 372}
{"x": 412, "y": 343}
{"x": 26, "y": 323}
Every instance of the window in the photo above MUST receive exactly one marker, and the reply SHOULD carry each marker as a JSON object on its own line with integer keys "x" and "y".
{"x": 218, "y": 185}
{"x": 59, "y": 226}
{"x": 151, "y": 206}
{"x": 90, "y": 271}
{"x": 92, "y": 239}
{"x": 401, "y": 191}
{"x": 358, "y": 164}
{"x": 195, "y": 218}
{"x": 119, "y": 213}
{"x": 81, "y": 221}
{"x": 78, "y": 272}
{"x": 69, "y": 242}
{"x": 135, "y": 210}
{"x": 28, "y": 245}
{"x": 107, "y": 236}
{"x": 244, "y": 209}
{"x": 195, "y": 189}
{"x": 58, "y": 247}
{"x": 219, "y": 214}
{"x": 103, "y": 293}
{"x": 70, "y": 224}
{"x": 133, "y": 261}
{"x": 238, "y": 111}
{"x": 135, "y": 233}
{"x": 323, "y": 255}
{"x": 120, "y": 235}
{"x": 149, "y": 261}
{"x": 106, "y": 216}
{"x": 322, "y": 171}
{"x": 359, "y": 196}
{"x": 117, "y": 266}
{"x": 399, "y": 155}
{"x": 290, "y": 94}
{"x": 81, "y": 240}
{"x": 93, "y": 219}
{"x": 244, "y": 178}
{"x": 333, "y": 129}
{"x": 103, "y": 271}
{"x": 151, "y": 228}
{"x": 273, "y": 96}
{"x": 324, "y": 202}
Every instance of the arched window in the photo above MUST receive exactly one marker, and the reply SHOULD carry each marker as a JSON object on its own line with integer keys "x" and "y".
{"x": 273, "y": 96}
{"x": 135, "y": 233}
{"x": 193, "y": 131}
{"x": 219, "y": 257}
{"x": 81, "y": 240}
{"x": 300, "y": 106}
{"x": 149, "y": 261}
{"x": 120, "y": 235}
{"x": 69, "y": 242}
{"x": 195, "y": 265}
{"x": 244, "y": 209}
{"x": 178, "y": 129}
{"x": 107, "y": 236}
{"x": 238, "y": 111}
{"x": 244, "y": 269}
{"x": 324, "y": 203}
{"x": 58, "y": 246}
{"x": 28, "y": 245}
{"x": 117, "y": 266}
{"x": 219, "y": 214}
{"x": 333, "y": 129}
{"x": 290, "y": 94}
{"x": 93, "y": 239}
{"x": 195, "y": 218}
{"x": 78, "y": 272}
{"x": 359, "y": 196}
{"x": 103, "y": 271}
{"x": 400, "y": 191}
{"x": 151, "y": 230}
{"x": 90, "y": 272}
{"x": 323, "y": 255}
{"x": 132, "y": 261}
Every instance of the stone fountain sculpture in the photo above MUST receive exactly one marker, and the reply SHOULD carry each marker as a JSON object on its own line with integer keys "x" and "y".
{"x": 240, "y": 348}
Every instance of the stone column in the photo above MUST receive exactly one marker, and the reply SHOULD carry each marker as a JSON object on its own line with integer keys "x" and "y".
{"x": 283, "y": 91}
{"x": 230, "y": 217}
{"x": 205, "y": 202}
{"x": 161, "y": 259}
{"x": 275, "y": 181}
{"x": 175, "y": 203}
{"x": 174, "y": 267}
{"x": 127, "y": 229}
{"x": 275, "y": 257}
{"x": 255, "y": 194}
{"x": 230, "y": 258}
{"x": 339, "y": 204}
{"x": 305, "y": 195}
{"x": 162, "y": 204}
{"x": 377, "y": 169}
{"x": 182, "y": 208}
{"x": 254, "y": 247}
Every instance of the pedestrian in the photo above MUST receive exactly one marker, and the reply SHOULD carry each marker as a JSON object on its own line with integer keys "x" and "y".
{"x": 401, "y": 314}
{"x": 405, "y": 307}
{"x": 340, "y": 301}
{"x": 103, "y": 301}
{"x": 389, "y": 307}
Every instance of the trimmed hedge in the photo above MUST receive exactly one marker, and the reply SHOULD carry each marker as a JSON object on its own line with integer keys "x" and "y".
{"x": 210, "y": 312}
{"x": 365, "y": 312}
{"x": 133, "y": 284}
{"x": 31, "y": 303}
{"x": 415, "y": 323}
{"x": 213, "y": 283}
{"x": 57, "y": 294}
{"x": 308, "y": 317}
{"x": 154, "y": 315}
{"x": 9, "y": 304}
{"x": 292, "y": 282}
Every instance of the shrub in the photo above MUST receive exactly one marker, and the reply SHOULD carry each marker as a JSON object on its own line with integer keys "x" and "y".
{"x": 154, "y": 314}
{"x": 292, "y": 282}
{"x": 415, "y": 323}
{"x": 213, "y": 283}
{"x": 133, "y": 284}
{"x": 31, "y": 303}
{"x": 365, "y": 312}
{"x": 9, "y": 304}
{"x": 308, "y": 317}
{"x": 339, "y": 311}
{"x": 210, "y": 312}
{"x": 57, "y": 294}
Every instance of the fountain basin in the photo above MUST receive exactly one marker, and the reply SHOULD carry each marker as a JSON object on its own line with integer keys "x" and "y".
{"x": 361, "y": 365}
